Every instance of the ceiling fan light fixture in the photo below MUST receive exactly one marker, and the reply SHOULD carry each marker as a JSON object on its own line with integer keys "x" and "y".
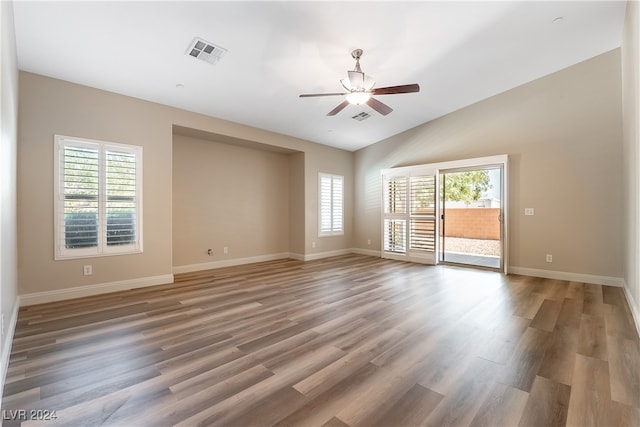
{"x": 359, "y": 89}
{"x": 357, "y": 81}
{"x": 358, "y": 98}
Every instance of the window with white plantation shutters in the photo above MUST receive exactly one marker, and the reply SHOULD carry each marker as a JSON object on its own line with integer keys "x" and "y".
{"x": 98, "y": 198}
{"x": 409, "y": 215}
{"x": 331, "y": 204}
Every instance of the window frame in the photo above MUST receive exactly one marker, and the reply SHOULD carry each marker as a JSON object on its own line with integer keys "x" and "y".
{"x": 101, "y": 249}
{"x": 336, "y": 230}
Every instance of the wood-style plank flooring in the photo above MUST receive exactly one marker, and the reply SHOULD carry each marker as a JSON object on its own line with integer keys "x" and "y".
{"x": 345, "y": 341}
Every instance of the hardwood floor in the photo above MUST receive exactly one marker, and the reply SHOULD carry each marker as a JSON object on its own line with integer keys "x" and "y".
{"x": 345, "y": 341}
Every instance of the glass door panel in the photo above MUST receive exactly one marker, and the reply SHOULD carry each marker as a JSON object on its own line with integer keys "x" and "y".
{"x": 471, "y": 216}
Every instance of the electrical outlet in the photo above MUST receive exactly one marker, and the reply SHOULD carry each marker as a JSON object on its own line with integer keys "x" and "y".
{"x": 529, "y": 211}
{"x": 225, "y": 249}
{"x": 313, "y": 244}
{"x": 87, "y": 270}
{"x": 210, "y": 252}
{"x": 549, "y": 258}
{"x": 368, "y": 241}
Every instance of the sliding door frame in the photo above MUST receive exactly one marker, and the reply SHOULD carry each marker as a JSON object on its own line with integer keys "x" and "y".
{"x": 443, "y": 213}
{"x": 431, "y": 168}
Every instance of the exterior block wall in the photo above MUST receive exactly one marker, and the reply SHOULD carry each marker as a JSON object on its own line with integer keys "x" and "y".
{"x": 472, "y": 223}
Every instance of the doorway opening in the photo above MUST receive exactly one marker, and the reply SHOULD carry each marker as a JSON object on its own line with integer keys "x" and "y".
{"x": 471, "y": 226}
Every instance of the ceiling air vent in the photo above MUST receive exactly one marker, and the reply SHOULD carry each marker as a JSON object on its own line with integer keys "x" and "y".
{"x": 360, "y": 117}
{"x": 205, "y": 51}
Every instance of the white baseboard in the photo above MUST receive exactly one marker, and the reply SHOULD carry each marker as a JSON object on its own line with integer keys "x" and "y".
{"x": 564, "y": 275}
{"x": 297, "y": 257}
{"x": 369, "y": 252}
{"x": 7, "y": 343}
{"x": 229, "y": 263}
{"x": 320, "y": 255}
{"x": 633, "y": 305}
{"x": 89, "y": 290}
{"x": 272, "y": 257}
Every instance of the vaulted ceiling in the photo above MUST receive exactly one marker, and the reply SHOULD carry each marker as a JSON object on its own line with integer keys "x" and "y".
{"x": 458, "y": 52}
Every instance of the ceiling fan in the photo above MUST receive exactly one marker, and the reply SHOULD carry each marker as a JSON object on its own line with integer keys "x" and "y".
{"x": 359, "y": 90}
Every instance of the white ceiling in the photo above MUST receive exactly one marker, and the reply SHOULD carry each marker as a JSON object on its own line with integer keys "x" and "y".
{"x": 459, "y": 53}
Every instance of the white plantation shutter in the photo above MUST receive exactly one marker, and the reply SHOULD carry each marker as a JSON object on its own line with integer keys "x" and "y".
{"x": 121, "y": 188}
{"x": 395, "y": 231}
{"x": 325, "y": 204}
{"x": 78, "y": 226}
{"x": 337, "y": 189}
{"x": 394, "y": 228}
{"x": 98, "y": 198}
{"x": 395, "y": 195}
{"x": 409, "y": 216}
{"x": 331, "y": 204}
{"x": 422, "y": 236}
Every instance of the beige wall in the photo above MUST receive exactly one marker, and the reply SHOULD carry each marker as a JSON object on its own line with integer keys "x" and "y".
{"x": 631, "y": 150}
{"x": 228, "y": 196}
{"x": 563, "y": 137}
{"x": 49, "y": 106}
{"x": 8, "y": 160}
{"x": 311, "y": 159}
{"x": 327, "y": 162}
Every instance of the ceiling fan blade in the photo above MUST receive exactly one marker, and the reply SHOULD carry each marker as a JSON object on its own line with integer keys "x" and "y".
{"x": 380, "y": 107}
{"x": 389, "y": 90}
{"x": 338, "y": 108}
{"x": 309, "y": 95}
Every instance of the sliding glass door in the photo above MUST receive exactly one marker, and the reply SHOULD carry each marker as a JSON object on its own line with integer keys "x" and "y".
{"x": 424, "y": 209}
{"x": 471, "y": 229}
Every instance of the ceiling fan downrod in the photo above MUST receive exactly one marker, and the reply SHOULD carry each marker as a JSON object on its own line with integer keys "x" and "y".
{"x": 356, "y": 54}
